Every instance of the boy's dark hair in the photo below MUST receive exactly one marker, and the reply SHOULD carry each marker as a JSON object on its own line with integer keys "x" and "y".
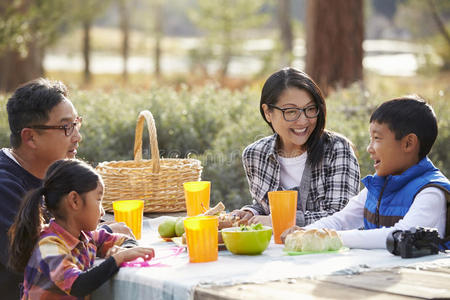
{"x": 62, "y": 177}
{"x": 30, "y": 105}
{"x": 409, "y": 114}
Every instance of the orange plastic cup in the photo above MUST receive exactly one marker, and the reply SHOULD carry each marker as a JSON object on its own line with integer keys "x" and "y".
{"x": 201, "y": 238}
{"x": 283, "y": 208}
{"x": 130, "y": 212}
{"x": 196, "y": 194}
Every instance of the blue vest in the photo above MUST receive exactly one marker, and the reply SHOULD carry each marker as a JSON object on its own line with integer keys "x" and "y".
{"x": 389, "y": 198}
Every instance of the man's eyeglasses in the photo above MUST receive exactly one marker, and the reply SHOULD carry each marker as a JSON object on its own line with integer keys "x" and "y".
{"x": 68, "y": 129}
{"x": 292, "y": 114}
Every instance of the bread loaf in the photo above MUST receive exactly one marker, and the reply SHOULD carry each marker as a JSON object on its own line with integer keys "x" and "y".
{"x": 313, "y": 240}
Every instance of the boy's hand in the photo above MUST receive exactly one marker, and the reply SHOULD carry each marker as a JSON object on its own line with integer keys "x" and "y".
{"x": 127, "y": 254}
{"x": 288, "y": 231}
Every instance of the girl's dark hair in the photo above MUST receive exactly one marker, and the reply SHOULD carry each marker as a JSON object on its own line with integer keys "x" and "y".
{"x": 286, "y": 78}
{"x": 62, "y": 177}
{"x": 409, "y": 114}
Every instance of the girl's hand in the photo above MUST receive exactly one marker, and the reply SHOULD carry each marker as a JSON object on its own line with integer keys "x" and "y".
{"x": 264, "y": 220}
{"x": 127, "y": 254}
{"x": 120, "y": 227}
{"x": 113, "y": 250}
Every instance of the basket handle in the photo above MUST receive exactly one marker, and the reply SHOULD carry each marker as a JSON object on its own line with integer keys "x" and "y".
{"x": 146, "y": 115}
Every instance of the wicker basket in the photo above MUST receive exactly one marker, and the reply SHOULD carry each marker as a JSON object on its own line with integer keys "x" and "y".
{"x": 159, "y": 182}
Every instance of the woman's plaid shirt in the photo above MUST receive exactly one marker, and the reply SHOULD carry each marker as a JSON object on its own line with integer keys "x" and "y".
{"x": 332, "y": 183}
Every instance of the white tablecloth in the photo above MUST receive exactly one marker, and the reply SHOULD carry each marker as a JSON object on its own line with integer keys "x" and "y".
{"x": 177, "y": 278}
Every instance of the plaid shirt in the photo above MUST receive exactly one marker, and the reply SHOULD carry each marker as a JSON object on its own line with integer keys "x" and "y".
{"x": 59, "y": 258}
{"x": 331, "y": 184}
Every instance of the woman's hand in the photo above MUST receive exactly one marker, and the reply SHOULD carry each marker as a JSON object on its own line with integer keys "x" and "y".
{"x": 244, "y": 215}
{"x": 127, "y": 254}
{"x": 264, "y": 220}
{"x": 288, "y": 231}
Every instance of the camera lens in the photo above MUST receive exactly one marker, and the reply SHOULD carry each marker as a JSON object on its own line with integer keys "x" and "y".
{"x": 392, "y": 242}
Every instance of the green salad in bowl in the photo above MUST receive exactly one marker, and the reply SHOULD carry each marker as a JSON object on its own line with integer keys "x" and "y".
{"x": 247, "y": 240}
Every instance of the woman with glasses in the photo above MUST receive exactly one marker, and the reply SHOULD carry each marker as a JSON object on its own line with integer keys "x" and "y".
{"x": 301, "y": 155}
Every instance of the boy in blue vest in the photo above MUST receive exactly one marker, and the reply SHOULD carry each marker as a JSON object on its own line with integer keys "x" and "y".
{"x": 407, "y": 189}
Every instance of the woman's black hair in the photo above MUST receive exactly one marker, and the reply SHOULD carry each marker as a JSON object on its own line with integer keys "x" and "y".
{"x": 62, "y": 177}
{"x": 287, "y": 78}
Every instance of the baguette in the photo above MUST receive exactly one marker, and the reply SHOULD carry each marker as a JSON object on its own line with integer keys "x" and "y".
{"x": 313, "y": 240}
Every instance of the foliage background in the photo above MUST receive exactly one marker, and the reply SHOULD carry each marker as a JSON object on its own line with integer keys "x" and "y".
{"x": 215, "y": 124}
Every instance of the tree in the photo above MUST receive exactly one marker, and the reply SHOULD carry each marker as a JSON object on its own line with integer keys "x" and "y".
{"x": 287, "y": 38}
{"x": 158, "y": 32}
{"x": 155, "y": 27}
{"x": 124, "y": 12}
{"x": 334, "y": 36}
{"x": 224, "y": 23}
{"x": 429, "y": 23}
{"x": 440, "y": 24}
{"x": 87, "y": 12}
{"x": 26, "y": 28}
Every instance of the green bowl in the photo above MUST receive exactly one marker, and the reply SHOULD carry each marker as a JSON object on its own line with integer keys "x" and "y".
{"x": 246, "y": 242}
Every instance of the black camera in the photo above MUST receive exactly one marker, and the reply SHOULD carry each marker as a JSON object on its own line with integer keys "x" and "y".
{"x": 415, "y": 242}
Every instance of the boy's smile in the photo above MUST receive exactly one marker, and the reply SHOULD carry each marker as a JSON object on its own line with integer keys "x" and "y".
{"x": 388, "y": 153}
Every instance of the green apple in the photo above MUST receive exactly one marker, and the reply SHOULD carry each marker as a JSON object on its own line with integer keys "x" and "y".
{"x": 167, "y": 229}
{"x": 179, "y": 227}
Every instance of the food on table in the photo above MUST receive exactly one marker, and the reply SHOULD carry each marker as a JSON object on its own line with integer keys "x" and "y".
{"x": 214, "y": 211}
{"x": 228, "y": 220}
{"x": 248, "y": 240}
{"x": 225, "y": 221}
{"x": 179, "y": 227}
{"x": 252, "y": 227}
{"x": 167, "y": 228}
{"x": 313, "y": 240}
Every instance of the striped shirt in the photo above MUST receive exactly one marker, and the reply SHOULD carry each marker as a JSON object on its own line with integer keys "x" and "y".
{"x": 323, "y": 190}
{"x": 59, "y": 258}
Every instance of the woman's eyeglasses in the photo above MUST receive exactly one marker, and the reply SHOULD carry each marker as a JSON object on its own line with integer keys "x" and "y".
{"x": 292, "y": 114}
{"x": 68, "y": 129}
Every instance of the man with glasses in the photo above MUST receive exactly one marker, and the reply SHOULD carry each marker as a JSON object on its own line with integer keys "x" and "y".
{"x": 45, "y": 127}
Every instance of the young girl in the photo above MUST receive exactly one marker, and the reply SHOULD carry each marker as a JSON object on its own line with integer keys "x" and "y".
{"x": 56, "y": 258}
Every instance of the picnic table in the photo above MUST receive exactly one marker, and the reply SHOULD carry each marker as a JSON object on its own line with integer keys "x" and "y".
{"x": 352, "y": 273}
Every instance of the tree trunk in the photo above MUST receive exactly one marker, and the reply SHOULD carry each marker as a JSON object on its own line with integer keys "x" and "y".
{"x": 225, "y": 62}
{"x": 226, "y": 52}
{"x": 158, "y": 37}
{"x": 439, "y": 23}
{"x": 125, "y": 28}
{"x": 335, "y": 32}
{"x": 284, "y": 21}
{"x": 16, "y": 70}
{"x": 87, "y": 50}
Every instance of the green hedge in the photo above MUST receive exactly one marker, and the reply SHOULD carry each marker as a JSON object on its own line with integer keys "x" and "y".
{"x": 214, "y": 125}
